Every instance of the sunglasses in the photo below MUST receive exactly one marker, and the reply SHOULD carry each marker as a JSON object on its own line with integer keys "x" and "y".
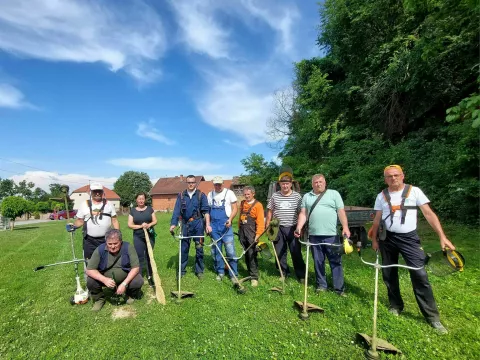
{"x": 191, "y": 182}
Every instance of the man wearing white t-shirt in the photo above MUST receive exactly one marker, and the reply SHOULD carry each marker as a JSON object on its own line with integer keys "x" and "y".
{"x": 223, "y": 208}
{"x": 96, "y": 216}
{"x": 396, "y": 208}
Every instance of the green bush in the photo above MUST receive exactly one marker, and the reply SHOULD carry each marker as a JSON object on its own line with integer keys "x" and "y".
{"x": 36, "y": 215}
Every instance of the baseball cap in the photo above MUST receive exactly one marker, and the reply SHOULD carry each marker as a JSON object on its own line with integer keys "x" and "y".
{"x": 96, "y": 186}
{"x": 217, "y": 180}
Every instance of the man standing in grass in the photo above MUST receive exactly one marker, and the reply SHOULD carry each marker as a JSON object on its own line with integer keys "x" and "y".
{"x": 115, "y": 265}
{"x": 285, "y": 206}
{"x": 96, "y": 215}
{"x": 320, "y": 208}
{"x": 396, "y": 208}
{"x": 250, "y": 226}
{"x": 190, "y": 208}
{"x": 223, "y": 208}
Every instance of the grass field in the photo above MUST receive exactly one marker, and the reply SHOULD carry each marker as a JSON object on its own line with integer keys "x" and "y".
{"x": 37, "y": 320}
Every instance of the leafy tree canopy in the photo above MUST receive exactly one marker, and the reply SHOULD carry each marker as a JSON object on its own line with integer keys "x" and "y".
{"x": 129, "y": 184}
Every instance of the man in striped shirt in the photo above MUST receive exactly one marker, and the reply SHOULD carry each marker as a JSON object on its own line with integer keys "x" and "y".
{"x": 285, "y": 206}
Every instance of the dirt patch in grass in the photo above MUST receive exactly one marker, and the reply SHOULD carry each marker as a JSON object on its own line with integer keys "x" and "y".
{"x": 123, "y": 312}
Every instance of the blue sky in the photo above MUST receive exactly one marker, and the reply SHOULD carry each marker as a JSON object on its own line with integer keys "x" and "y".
{"x": 91, "y": 89}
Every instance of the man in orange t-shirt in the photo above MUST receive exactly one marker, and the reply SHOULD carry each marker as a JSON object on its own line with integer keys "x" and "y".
{"x": 251, "y": 226}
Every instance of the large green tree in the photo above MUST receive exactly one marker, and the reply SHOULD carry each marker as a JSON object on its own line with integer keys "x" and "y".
{"x": 7, "y": 188}
{"x": 129, "y": 184}
{"x": 13, "y": 207}
{"x": 391, "y": 73}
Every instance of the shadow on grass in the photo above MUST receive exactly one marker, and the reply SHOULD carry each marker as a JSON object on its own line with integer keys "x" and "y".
{"x": 25, "y": 228}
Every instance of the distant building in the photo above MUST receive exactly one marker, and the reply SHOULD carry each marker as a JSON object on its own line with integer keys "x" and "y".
{"x": 164, "y": 193}
{"x": 83, "y": 194}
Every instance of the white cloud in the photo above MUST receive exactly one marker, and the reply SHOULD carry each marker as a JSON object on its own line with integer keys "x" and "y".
{"x": 224, "y": 177}
{"x": 233, "y": 106}
{"x": 173, "y": 164}
{"x": 200, "y": 31}
{"x": 279, "y": 18}
{"x": 147, "y": 130}
{"x": 128, "y": 37}
{"x": 11, "y": 97}
{"x": 43, "y": 179}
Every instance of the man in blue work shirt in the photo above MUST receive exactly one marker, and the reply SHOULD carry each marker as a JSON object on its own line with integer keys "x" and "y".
{"x": 190, "y": 208}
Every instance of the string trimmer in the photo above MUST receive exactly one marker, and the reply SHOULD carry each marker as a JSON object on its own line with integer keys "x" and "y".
{"x": 342, "y": 248}
{"x": 237, "y": 284}
{"x": 80, "y": 296}
{"x": 181, "y": 294}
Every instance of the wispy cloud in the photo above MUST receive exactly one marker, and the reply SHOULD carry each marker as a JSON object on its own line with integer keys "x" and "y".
{"x": 200, "y": 30}
{"x": 11, "y": 97}
{"x": 126, "y": 37}
{"x": 238, "y": 144}
{"x": 173, "y": 164}
{"x": 43, "y": 179}
{"x": 148, "y": 130}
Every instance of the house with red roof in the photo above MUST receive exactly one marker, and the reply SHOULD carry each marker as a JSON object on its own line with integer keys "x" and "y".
{"x": 165, "y": 191}
{"x": 83, "y": 194}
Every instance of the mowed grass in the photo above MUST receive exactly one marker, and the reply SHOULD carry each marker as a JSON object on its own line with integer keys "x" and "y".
{"x": 37, "y": 320}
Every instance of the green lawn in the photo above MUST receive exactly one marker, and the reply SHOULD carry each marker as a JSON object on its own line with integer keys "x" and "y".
{"x": 37, "y": 320}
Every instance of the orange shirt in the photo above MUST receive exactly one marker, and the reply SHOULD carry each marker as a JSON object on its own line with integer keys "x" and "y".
{"x": 256, "y": 213}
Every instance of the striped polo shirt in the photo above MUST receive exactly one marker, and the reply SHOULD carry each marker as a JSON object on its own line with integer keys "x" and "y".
{"x": 285, "y": 208}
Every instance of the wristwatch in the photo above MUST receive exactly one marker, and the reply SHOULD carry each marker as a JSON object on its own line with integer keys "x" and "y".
{"x": 125, "y": 284}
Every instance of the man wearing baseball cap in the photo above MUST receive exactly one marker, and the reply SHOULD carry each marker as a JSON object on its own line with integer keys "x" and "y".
{"x": 223, "y": 208}
{"x": 96, "y": 215}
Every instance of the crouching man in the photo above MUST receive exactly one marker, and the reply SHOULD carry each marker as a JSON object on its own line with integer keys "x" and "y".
{"x": 115, "y": 265}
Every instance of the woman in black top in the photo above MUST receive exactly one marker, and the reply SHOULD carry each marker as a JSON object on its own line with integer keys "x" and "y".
{"x": 142, "y": 217}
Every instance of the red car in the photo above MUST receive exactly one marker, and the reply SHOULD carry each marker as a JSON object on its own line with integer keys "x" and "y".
{"x": 60, "y": 215}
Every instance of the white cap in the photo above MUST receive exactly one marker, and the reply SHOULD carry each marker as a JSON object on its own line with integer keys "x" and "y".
{"x": 96, "y": 186}
{"x": 217, "y": 180}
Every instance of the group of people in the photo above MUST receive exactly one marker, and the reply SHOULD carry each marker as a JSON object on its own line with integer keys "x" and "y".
{"x": 317, "y": 213}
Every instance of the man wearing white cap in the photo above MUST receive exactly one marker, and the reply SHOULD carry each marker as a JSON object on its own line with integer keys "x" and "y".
{"x": 96, "y": 215}
{"x": 223, "y": 208}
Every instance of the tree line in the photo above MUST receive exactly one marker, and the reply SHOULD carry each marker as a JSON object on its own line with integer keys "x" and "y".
{"x": 398, "y": 84}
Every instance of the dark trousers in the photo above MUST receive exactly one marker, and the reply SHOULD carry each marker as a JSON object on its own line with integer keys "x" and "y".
{"x": 142, "y": 252}
{"x": 408, "y": 245}
{"x": 95, "y": 287}
{"x": 192, "y": 228}
{"x": 286, "y": 238}
{"x": 247, "y": 237}
{"x": 320, "y": 254}
{"x": 90, "y": 243}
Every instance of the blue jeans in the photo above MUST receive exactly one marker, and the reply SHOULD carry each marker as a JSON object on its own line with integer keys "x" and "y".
{"x": 322, "y": 252}
{"x": 218, "y": 262}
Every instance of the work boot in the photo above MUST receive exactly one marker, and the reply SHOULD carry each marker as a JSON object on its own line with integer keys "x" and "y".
{"x": 97, "y": 306}
{"x": 130, "y": 301}
{"x": 394, "y": 311}
{"x": 320, "y": 290}
{"x": 437, "y": 325}
{"x": 150, "y": 281}
{"x": 219, "y": 277}
{"x": 200, "y": 276}
{"x": 254, "y": 282}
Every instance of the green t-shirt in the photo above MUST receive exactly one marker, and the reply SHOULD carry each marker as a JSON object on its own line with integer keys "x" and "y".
{"x": 120, "y": 275}
{"x": 323, "y": 220}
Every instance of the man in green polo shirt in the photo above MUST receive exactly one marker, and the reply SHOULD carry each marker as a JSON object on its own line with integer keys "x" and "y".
{"x": 114, "y": 264}
{"x": 322, "y": 228}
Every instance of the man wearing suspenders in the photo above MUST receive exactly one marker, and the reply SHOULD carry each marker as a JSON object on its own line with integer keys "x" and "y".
{"x": 396, "y": 213}
{"x": 96, "y": 215}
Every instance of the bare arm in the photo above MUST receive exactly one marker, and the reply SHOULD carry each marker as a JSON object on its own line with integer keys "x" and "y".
{"x": 269, "y": 218}
{"x": 131, "y": 225}
{"x": 342, "y": 216}
{"x": 436, "y": 226}
{"x": 232, "y": 215}
{"x": 133, "y": 272}
{"x": 78, "y": 222}
{"x": 154, "y": 220}
{"x": 302, "y": 219}
{"x": 115, "y": 223}
{"x": 374, "y": 229}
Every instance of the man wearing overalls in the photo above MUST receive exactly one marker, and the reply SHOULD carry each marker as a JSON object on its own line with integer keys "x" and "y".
{"x": 223, "y": 208}
{"x": 190, "y": 208}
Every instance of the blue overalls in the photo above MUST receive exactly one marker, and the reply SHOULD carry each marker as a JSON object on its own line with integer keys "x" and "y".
{"x": 187, "y": 209}
{"x": 218, "y": 218}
